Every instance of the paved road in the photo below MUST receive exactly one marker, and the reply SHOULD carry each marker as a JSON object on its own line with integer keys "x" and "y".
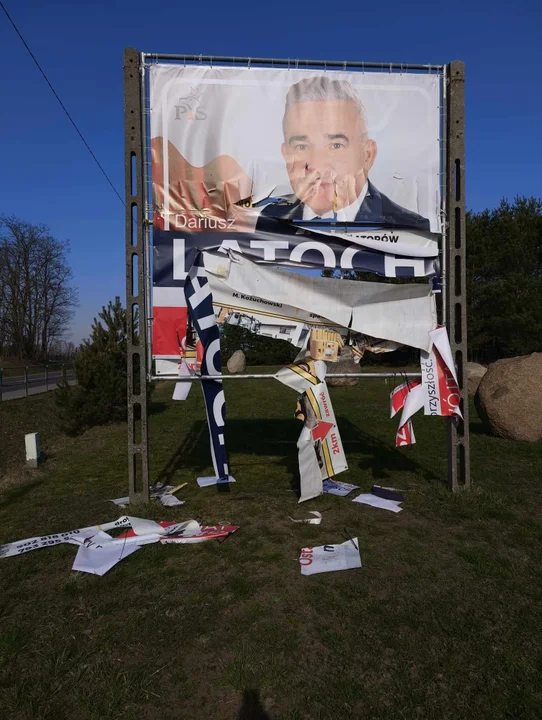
{"x": 14, "y": 387}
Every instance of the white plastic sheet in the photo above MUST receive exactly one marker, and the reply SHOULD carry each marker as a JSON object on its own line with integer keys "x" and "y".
{"x": 211, "y": 480}
{"x": 316, "y": 520}
{"x": 378, "y": 502}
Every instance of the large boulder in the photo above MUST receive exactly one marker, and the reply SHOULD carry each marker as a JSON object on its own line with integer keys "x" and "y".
{"x": 476, "y": 373}
{"x": 237, "y": 363}
{"x": 509, "y": 398}
{"x": 345, "y": 364}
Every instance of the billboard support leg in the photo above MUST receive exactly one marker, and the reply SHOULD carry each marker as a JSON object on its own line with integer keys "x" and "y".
{"x": 455, "y": 286}
{"x": 136, "y": 310}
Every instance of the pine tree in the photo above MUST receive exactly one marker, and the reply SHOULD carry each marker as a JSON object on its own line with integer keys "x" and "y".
{"x": 100, "y": 395}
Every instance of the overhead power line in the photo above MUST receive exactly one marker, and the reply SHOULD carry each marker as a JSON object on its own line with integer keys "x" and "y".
{"x": 106, "y": 176}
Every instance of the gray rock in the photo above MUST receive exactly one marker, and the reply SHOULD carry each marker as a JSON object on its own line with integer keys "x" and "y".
{"x": 476, "y": 373}
{"x": 345, "y": 364}
{"x": 509, "y": 398}
{"x": 237, "y": 363}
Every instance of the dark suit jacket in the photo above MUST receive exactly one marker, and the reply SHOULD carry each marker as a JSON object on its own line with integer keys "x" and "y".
{"x": 376, "y": 209}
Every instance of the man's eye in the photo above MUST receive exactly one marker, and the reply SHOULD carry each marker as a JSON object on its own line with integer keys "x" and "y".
{"x": 301, "y": 146}
{"x": 336, "y": 146}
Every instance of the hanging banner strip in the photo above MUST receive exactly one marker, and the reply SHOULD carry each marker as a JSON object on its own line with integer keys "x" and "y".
{"x": 320, "y": 449}
{"x": 442, "y": 395}
{"x": 200, "y": 305}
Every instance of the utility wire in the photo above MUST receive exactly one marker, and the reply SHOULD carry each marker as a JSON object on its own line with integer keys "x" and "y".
{"x": 106, "y": 176}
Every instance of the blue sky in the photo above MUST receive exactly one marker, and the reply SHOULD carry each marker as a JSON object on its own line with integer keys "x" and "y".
{"x": 49, "y": 177}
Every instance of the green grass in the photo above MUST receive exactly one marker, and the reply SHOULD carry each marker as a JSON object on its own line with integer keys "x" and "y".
{"x": 443, "y": 621}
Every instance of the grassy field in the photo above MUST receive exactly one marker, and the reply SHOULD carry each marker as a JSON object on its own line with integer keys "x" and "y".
{"x": 443, "y": 621}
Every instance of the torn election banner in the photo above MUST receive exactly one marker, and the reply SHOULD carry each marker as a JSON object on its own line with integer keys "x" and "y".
{"x": 437, "y": 391}
{"x": 329, "y": 558}
{"x": 410, "y": 243}
{"x": 37, "y": 543}
{"x": 439, "y": 379}
{"x": 409, "y": 398}
{"x": 189, "y": 532}
{"x": 98, "y": 551}
{"x": 200, "y": 303}
{"x": 99, "y": 554}
{"x": 336, "y": 487}
{"x": 399, "y": 394}
{"x": 320, "y": 450}
{"x": 410, "y": 402}
{"x": 402, "y": 314}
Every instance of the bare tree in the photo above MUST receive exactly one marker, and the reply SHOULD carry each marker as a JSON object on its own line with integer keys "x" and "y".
{"x": 37, "y": 298}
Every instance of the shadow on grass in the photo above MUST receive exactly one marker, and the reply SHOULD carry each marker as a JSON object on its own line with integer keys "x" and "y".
{"x": 278, "y": 438}
{"x": 383, "y": 459}
{"x": 12, "y": 494}
{"x": 156, "y": 407}
{"x": 478, "y": 428}
{"x": 252, "y": 708}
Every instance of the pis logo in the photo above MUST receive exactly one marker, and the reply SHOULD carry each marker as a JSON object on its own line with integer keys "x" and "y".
{"x": 189, "y": 108}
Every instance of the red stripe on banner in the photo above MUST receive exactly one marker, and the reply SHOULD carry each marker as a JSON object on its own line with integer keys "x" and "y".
{"x": 199, "y": 354}
{"x": 449, "y": 391}
{"x": 168, "y": 330}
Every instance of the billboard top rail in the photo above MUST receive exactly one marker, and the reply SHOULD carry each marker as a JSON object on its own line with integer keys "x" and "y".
{"x": 293, "y": 63}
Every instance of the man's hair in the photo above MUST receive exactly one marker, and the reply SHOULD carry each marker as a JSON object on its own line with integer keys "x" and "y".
{"x": 323, "y": 87}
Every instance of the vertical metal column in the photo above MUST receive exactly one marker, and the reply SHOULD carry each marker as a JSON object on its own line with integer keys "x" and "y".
{"x": 455, "y": 286}
{"x": 136, "y": 310}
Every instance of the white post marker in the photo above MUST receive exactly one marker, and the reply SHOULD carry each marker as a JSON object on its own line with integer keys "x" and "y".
{"x": 32, "y": 445}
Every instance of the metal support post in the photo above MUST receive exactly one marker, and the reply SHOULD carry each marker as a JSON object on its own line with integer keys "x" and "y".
{"x": 136, "y": 311}
{"x": 455, "y": 286}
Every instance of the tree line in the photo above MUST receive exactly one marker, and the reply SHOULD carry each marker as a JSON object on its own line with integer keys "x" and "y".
{"x": 37, "y": 296}
{"x": 504, "y": 280}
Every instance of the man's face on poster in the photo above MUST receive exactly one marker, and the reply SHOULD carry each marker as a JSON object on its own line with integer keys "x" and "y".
{"x": 327, "y": 152}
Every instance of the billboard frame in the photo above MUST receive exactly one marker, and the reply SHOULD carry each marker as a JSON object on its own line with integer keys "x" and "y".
{"x": 138, "y": 243}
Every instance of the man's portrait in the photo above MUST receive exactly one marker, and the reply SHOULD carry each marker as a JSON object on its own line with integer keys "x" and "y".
{"x": 260, "y": 144}
{"x": 329, "y": 154}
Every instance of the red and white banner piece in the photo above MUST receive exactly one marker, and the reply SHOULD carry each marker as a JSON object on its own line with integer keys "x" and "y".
{"x": 405, "y": 435}
{"x": 190, "y": 532}
{"x": 410, "y": 398}
{"x": 442, "y": 395}
{"x": 399, "y": 394}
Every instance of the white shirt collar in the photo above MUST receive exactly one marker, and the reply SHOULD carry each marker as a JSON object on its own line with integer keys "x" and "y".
{"x": 347, "y": 214}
